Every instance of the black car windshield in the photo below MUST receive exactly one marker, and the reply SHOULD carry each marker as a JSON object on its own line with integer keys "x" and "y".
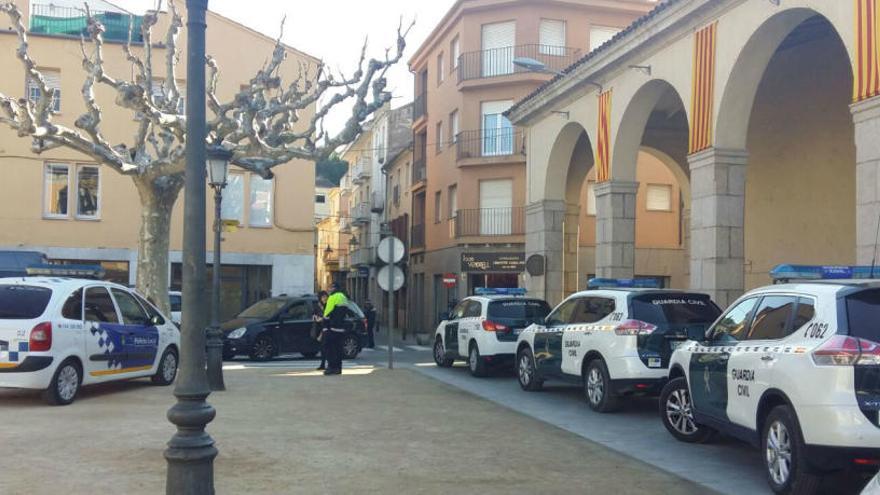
{"x": 531, "y": 310}
{"x": 266, "y": 308}
{"x": 863, "y": 313}
{"x": 23, "y": 302}
{"x": 675, "y": 309}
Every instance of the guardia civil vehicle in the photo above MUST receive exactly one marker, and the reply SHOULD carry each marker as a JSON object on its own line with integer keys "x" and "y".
{"x": 793, "y": 368}
{"x": 483, "y": 328}
{"x": 614, "y": 339}
{"x": 59, "y": 333}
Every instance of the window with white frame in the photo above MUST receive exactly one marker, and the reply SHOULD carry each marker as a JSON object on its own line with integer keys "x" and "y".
{"x": 439, "y": 137}
{"x": 261, "y": 202}
{"x": 56, "y": 190}
{"x": 53, "y": 81}
{"x": 441, "y": 69}
{"x": 552, "y": 37}
{"x": 591, "y": 198}
{"x": 88, "y": 191}
{"x": 455, "y": 50}
{"x": 599, "y": 35}
{"x": 453, "y": 201}
{"x": 159, "y": 94}
{"x": 438, "y": 213}
{"x": 453, "y": 127}
{"x": 232, "y": 207}
{"x": 658, "y": 197}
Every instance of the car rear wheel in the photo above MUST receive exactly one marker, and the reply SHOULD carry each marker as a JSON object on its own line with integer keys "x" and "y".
{"x": 527, "y": 372}
{"x": 167, "y": 371}
{"x": 350, "y": 347}
{"x": 597, "y": 388}
{"x": 264, "y": 348}
{"x": 440, "y": 354}
{"x": 784, "y": 454}
{"x": 65, "y": 384}
{"x": 677, "y": 413}
{"x": 476, "y": 363}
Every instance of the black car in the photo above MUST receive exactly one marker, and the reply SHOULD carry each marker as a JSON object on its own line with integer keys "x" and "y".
{"x": 284, "y": 324}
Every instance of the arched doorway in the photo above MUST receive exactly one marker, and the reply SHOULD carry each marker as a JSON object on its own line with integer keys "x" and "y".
{"x": 785, "y": 113}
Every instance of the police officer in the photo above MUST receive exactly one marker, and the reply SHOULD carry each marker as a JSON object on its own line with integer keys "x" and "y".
{"x": 370, "y": 313}
{"x": 334, "y": 313}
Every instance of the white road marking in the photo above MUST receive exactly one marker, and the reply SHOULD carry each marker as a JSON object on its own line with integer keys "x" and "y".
{"x": 418, "y": 347}
{"x": 304, "y": 365}
{"x": 385, "y": 348}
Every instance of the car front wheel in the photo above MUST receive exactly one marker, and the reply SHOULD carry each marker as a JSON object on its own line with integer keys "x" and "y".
{"x": 526, "y": 371}
{"x": 65, "y": 384}
{"x": 440, "y": 354}
{"x": 677, "y": 413}
{"x": 784, "y": 454}
{"x": 350, "y": 347}
{"x": 167, "y": 371}
{"x": 263, "y": 349}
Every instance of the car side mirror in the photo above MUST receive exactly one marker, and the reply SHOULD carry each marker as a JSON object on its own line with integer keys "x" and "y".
{"x": 156, "y": 320}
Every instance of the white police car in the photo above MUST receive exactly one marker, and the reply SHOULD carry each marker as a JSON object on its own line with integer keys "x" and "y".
{"x": 792, "y": 368}
{"x": 614, "y": 339}
{"x": 483, "y": 328}
{"x": 57, "y": 334}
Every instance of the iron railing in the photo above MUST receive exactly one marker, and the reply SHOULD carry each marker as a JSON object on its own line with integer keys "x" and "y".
{"x": 363, "y": 256}
{"x": 420, "y": 106}
{"x": 361, "y": 213}
{"x": 486, "y": 143}
{"x": 490, "y": 222}
{"x": 420, "y": 170}
{"x": 417, "y": 238}
{"x": 499, "y": 61}
{"x": 362, "y": 169}
{"x": 69, "y": 21}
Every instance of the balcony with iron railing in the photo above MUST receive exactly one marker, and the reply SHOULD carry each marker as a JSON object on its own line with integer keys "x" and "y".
{"x": 360, "y": 214}
{"x": 420, "y": 106}
{"x": 496, "y": 144}
{"x": 364, "y": 256}
{"x": 417, "y": 237}
{"x": 489, "y": 222}
{"x": 498, "y": 62}
{"x": 419, "y": 170}
{"x": 55, "y": 20}
{"x": 362, "y": 170}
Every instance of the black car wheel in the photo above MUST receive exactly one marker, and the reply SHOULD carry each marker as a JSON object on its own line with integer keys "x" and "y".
{"x": 677, "y": 413}
{"x": 65, "y": 384}
{"x": 350, "y": 347}
{"x": 784, "y": 454}
{"x": 440, "y": 354}
{"x": 597, "y": 388}
{"x": 527, "y": 372}
{"x": 263, "y": 349}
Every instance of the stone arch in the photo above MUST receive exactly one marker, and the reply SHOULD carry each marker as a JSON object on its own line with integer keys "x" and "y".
{"x": 572, "y": 139}
{"x": 740, "y": 88}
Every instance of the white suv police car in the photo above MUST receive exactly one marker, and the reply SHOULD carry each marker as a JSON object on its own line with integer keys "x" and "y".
{"x": 483, "y": 328}
{"x": 57, "y": 334}
{"x": 792, "y": 368}
{"x": 615, "y": 341}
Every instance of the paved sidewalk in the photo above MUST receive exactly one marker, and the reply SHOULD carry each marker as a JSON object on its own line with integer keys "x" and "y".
{"x": 293, "y": 431}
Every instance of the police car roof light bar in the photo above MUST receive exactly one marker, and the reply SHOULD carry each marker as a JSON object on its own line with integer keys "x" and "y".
{"x": 624, "y": 283}
{"x": 67, "y": 271}
{"x": 786, "y": 273}
{"x": 509, "y": 291}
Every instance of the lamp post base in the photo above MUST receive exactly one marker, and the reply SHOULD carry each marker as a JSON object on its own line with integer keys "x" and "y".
{"x": 191, "y": 452}
{"x": 215, "y": 359}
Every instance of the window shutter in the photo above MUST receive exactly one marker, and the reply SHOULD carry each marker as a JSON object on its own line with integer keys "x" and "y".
{"x": 601, "y": 35}
{"x": 552, "y": 35}
{"x": 659, "y": 197}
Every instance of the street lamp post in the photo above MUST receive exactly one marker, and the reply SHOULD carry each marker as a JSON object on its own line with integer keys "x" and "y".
{"x": 218, "y": 173}
{"x": 191, "y": 452}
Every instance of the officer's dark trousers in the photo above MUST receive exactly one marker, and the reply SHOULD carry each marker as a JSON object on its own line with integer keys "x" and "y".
{"x": 334, "y": 349}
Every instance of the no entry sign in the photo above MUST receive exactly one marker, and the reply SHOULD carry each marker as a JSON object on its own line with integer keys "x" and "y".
{"x": 449, "y": 280}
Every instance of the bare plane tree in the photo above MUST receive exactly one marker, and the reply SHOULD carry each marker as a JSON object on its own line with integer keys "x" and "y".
{"x": 266, "y": 124}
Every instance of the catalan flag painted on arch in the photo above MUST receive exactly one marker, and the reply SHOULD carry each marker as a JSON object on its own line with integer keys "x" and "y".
{"x": 867, "y": 81}
{"x": 703, "y": 96}
{"x": 603, "y": 141}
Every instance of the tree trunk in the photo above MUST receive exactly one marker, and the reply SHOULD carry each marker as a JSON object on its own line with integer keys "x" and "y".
{"x": 158, "y": 196}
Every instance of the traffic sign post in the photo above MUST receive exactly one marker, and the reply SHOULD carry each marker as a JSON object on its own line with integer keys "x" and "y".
{"x": 390, "y": 278}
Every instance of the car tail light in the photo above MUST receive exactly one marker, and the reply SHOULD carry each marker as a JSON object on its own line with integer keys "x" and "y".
{"x": 41, "y": 338}
{"x": 634, "y": 327}
{"x": 366, "y": 324}
{"x": 842, "y": 350}
{"x": 491, "y": 326}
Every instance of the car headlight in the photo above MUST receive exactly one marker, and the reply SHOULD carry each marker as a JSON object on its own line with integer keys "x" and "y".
{"x": 237, "y": 333}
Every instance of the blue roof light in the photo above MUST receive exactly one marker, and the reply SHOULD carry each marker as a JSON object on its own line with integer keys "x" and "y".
{"x": 489, "y": 291}
{"x": 782, "y": 273}
{"x": 624, "y": 283}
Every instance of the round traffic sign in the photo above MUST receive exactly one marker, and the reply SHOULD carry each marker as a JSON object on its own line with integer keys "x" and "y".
{"x": 395, "y": 245}
{"x": 382, "y": 277}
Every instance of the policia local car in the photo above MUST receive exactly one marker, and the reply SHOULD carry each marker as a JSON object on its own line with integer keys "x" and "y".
{"x": 484, "y": 328}
{"x": 615, "y": 341}
{"x": 57, "y": 334}
{"x": 793, "y": 368}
